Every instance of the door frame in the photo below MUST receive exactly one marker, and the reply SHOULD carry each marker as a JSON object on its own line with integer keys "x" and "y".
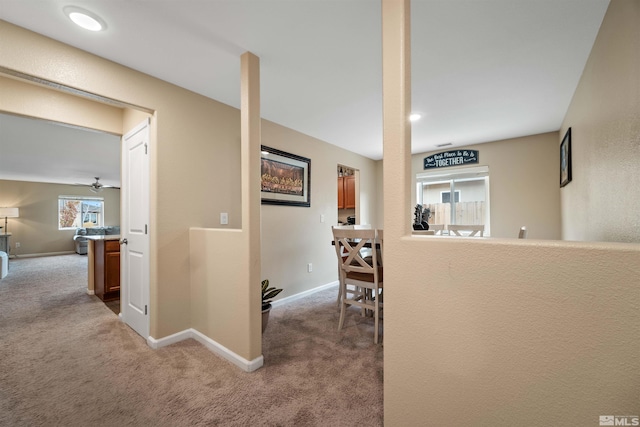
{"x": 75, "y": 92}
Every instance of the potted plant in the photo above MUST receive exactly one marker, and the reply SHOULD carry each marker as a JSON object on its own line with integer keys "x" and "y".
{"x": 421, "y": 217}
{"x": 267, "y": 294}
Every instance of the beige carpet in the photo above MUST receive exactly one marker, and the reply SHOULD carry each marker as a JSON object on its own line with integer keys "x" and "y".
{"x": 66, "y": 359}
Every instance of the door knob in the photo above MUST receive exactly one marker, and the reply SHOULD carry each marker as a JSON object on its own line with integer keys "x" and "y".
{"x": 124, "y": 242}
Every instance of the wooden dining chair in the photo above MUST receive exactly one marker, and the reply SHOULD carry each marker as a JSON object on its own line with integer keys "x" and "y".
{"x": 466, "y": 230}
{"x": 522, "y": 234}
{"x": 361, "y": 277}
{"x": 423, "y": 233}
{"x": 437, "y": 229}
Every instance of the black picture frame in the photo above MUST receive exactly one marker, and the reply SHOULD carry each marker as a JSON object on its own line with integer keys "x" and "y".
{"x": 285, "y": 178}
{"x": 565, "y": 159}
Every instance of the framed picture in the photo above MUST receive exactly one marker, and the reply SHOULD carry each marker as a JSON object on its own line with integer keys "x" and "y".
{"x": 285, "y": 178}
{"x": 565, "y": 159}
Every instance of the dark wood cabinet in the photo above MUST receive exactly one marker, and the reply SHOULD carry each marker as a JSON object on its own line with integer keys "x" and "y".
{"x": 347, "y": 192}
{"x": 350, "y": 192}
{"x": 107, "y": 269}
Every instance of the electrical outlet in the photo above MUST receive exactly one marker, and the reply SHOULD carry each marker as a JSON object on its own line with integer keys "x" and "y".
{"x": 309, "y": 267}
{"x": 17, "y": 245}
{"x": 224, "y": 218}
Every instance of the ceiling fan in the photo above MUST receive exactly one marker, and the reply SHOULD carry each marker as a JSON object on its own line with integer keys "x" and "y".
{"x": 96, "y": 187}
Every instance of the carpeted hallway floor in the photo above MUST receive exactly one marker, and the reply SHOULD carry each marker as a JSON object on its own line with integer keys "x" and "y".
{"x": 66, "y": 359}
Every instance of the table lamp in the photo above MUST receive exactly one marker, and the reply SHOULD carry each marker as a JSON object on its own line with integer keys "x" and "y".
{"x": 8, "y": 213}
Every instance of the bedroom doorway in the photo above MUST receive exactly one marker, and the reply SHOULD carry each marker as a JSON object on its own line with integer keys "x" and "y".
{"x": 93, "y": 115}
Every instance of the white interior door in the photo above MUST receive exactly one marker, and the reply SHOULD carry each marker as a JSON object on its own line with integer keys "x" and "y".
{"x": 134, "y": 250}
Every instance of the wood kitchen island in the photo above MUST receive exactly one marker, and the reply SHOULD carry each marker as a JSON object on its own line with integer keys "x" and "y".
{"x": 104, "y": 266}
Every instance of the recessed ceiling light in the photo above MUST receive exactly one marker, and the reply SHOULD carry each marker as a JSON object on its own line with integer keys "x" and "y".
{"x": 415, "y": 116}
{"x": 85, "y": 19}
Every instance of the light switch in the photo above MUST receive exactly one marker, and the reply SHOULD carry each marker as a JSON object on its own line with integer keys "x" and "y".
{"x": 224, "y": 218}
{"x": 321, "y": 218}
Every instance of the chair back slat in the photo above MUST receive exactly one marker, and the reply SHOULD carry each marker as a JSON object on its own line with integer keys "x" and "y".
{"x": 349, "y": 246}
{"x": 380, "y": 242}
{"x": 473, "y": 229}
{"x": 436, "y": 228}
{"x": 522, "y": 234}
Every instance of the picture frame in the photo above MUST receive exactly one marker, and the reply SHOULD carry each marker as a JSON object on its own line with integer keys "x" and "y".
{"x": 565, "y": 159}
{"x": 285, "y": 178}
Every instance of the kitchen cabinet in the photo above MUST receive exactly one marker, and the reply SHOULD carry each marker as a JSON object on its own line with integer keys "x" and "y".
{"x": 347, "y": 192}
{"x": 106, "y": 267}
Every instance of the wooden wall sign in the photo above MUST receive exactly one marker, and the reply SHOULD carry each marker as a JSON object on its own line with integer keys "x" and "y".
{"x": 451, "y": 158}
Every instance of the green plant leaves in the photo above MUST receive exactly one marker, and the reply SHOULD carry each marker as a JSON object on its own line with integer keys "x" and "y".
{"x": 268, "y": 293}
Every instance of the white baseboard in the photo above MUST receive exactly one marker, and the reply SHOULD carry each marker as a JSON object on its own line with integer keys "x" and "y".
{"x": 43, "y": 254}
{"x": 219, "y": 349}
{"x": 292, "y": 298}
{"x": 171, "y": 339}
{"x": 91, "y": 292}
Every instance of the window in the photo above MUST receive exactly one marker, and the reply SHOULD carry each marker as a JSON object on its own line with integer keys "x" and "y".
{"x": 445, "y": 196}
{"x": 77, "y": 211}
{"x": 434, "y": 191}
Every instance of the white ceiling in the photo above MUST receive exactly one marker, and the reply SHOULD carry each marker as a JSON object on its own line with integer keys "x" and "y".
{"x": 483, "y": 70}
{"x": 28, "y": 148}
